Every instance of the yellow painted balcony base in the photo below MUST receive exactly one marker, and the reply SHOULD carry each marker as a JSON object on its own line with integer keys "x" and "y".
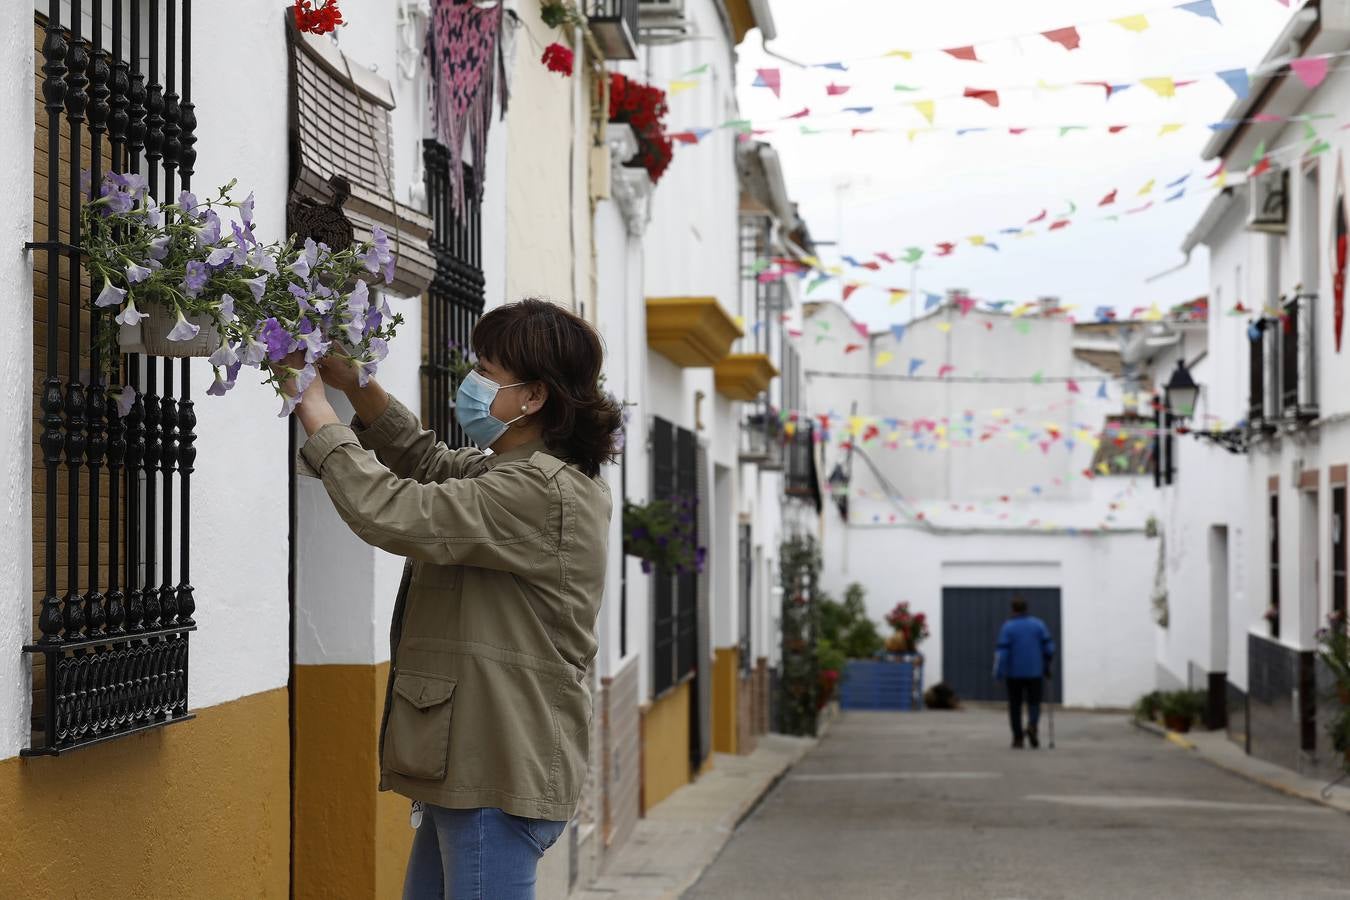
{"x": 200, "y": 809}
{"x": 725, "y": 698}
{"x": 665, "y": 747}
{"x": 351, "y": 840}
{"x": 694, "y": 332}
{"x": 743, "y": 376}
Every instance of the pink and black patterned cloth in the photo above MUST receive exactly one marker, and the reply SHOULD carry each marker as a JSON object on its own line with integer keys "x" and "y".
{"x": 464, "y": 56}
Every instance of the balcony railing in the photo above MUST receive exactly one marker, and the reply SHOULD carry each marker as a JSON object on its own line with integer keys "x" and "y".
{"x": 802, "y": 478}
{"x": 615, "y": 26}
{"x": 762, "y": 439}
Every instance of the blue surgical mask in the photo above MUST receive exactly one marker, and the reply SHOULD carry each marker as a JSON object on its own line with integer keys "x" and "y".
{"x": 473, "y": 409}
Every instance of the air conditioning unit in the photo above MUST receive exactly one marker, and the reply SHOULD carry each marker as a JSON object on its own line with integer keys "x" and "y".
{"x": 1268, "y": 202}
{"x": 662, "y": 21}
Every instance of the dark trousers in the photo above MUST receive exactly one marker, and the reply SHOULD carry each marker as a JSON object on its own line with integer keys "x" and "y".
{"x": 1028, "y": 690}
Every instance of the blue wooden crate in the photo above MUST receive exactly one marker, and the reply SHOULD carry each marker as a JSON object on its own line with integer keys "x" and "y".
{"x": 882, "y": 684}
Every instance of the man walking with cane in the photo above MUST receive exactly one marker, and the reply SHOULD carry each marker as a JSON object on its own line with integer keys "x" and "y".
{"x": 1023, "y": 658}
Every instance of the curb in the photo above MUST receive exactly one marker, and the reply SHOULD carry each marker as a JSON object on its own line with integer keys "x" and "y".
{"x": 1186, "y": 744}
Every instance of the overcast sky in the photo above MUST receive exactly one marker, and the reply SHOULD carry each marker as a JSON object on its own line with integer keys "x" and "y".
{"x": 885, "y": 192}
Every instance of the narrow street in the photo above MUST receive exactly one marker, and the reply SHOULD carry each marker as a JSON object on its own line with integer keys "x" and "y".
{"x": 935, "y": 805}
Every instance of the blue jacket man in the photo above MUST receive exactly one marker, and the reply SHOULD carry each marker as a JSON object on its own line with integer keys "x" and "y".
{"x": 1023, "y": 658}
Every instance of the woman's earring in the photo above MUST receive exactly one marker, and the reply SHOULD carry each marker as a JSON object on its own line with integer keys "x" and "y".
{"x": 524, "y": 409}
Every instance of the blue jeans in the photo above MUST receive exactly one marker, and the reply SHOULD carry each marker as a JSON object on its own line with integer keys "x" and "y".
{"x": 473, "y": 854}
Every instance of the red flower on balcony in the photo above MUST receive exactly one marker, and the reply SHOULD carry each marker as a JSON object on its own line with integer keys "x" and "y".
{"x": 558, "y": 58}
{"x": 322, "y": 19}
{"x": 644, "y": 108}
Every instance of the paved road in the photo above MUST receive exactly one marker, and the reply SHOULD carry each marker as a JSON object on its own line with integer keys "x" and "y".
{"x": 935, "y": 805}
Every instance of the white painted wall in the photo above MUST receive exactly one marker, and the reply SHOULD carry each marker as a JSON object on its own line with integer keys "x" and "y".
{"x": 16, "y": 366}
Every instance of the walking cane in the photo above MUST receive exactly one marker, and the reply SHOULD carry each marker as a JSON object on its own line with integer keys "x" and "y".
{"x": 1050, "y": 712}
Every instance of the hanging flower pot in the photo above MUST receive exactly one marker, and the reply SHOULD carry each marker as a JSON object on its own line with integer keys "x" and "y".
{"x": 193, "y": 335}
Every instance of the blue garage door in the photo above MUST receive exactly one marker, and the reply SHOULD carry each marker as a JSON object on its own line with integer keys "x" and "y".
{"x": 971, "y": 618}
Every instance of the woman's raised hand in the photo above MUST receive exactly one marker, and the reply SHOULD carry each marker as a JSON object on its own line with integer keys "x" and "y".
{"x": 339, "y": 371}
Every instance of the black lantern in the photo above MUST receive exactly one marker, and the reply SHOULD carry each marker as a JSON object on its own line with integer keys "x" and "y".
{"x": 1181, "y": 392}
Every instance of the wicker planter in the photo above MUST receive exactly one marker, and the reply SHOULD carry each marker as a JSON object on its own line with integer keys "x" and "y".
{"x": 149, "y": 337}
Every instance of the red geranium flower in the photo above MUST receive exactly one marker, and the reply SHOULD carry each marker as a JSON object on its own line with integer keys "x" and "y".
{"x": 558, "y": 59}
{"x": 322, "y": 20}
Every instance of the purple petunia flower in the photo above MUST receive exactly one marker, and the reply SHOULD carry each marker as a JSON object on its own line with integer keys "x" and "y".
{"x": 220, "y": 256}
{"x": 159, "y": 247}
{"x": 225, "y": 355}
{"x": 196, "y": 275}
{"x": 226, "y": 308}
{"x": 254, "y": 352}
{"x": 303, "y": 379}
{"x": 136, "y": 274}
{"x": 278, "y": 340}
{"x": 246, "y": 210}
{"x": 646, "y": 567}
{"x": 188, "y": 201}
{"x": 110, "y": 296}
{"x": 312, "y": 340}
{"x": 124, "y": 397}
{"x": 358, "y": 302}
{"x": 154, "y": 216}
{"x": 379, "y": 258}
{"x": 262, "y": 260}
{"x": 183, "y": 330}
{"x": 131, "y": 315}
{"x": 257, "y": 286}
{"x": 300, "y": 267}
{"x": 218, "y": 387}
{"x": 311, "y": 252}
{"x": 209, "y": 232}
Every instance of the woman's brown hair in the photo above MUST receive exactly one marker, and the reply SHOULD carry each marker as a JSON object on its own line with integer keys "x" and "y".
{"x": 540, "y": 341}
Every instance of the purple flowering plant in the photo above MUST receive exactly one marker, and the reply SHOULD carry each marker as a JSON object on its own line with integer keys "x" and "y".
{"x": 663, "y": 534}
{"x": 264, "y": 300}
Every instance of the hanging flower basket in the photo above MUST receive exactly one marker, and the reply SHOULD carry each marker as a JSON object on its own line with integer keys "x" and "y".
{"x": 151, "y": 335}
{"x": 180, "y": 281}
{"x": 662, "y": 534}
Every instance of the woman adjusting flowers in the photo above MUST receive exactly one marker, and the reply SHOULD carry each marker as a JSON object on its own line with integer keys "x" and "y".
{"x": 487, "y": 711}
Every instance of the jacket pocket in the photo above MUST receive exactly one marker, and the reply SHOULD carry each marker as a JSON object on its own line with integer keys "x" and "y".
{"x": 417, "y": 742}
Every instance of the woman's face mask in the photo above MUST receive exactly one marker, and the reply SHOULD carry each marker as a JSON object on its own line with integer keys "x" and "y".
{"x": 473, "y": 409}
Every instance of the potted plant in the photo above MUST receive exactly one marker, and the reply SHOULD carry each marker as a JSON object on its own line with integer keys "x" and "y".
{"x": 830, "y": 660}
{"x": 644, "y": 108}
{"x": 1180, "y": 709}
{"x": 1333, "y": 648}
{"x": 910, "y": 629}
{"x": 1147, "y": 708}
{"x": 182, "y": 282}
{"x": 661, "y": 533}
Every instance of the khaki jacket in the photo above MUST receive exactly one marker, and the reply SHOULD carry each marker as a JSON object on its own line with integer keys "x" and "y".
{"x": 494, "y": 628}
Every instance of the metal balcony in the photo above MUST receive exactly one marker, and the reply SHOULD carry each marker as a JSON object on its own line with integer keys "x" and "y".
{"x": 762, "y": 440}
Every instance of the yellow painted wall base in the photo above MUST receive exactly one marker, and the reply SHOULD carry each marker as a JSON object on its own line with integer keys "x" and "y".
{"x": 725, "y": 698}
{"x": 197, "y": 809}
{"x": 665, "y": 747}
{"x": 351, "y": 840}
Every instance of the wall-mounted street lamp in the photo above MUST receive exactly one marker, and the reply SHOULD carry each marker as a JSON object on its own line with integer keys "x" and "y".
{"x": 1179, "y": 400}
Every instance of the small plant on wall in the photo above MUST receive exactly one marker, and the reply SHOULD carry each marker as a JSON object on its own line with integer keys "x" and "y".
{"x": 663, "y": 535}
{"x": 799, "y": 678}
{"x": 1333, "y": 649}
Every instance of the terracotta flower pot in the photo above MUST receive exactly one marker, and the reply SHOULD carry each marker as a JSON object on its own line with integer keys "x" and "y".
{"x": 1179, "y": 724}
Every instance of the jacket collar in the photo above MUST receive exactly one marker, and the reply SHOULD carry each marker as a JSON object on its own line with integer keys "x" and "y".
{"x": 524, "y": 451}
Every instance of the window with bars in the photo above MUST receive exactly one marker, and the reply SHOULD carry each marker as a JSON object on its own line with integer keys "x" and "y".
{"x": 745, "y": 586}
{"x": 453, "y": 302}
{"x": 1273, "y": 614}
{"x": 110, "y": 651}
{"x": 674, "y": 596}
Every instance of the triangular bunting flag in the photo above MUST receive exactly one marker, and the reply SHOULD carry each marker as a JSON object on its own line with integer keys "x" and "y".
{"x": 1203, "y": 8}
{"x": 966, "y": 53}
{"x": 836, "y": 90}
{"x": 898, "y": 332}
{"x": 1238, "y": 81}
{"x": 679, "y": 87}
{"x": 769, "y": 78}
{"x": 1163, "y": 86}
{"x": 1108, "y": 199}
{"x": 988, "y": 96}
{"x": 914, "y": 365}
{"x": 1132, "y": 23}
{"x": 926, "y": 109}
{"x": 1310, "y": 70}
{"x": 1065, "y": 37}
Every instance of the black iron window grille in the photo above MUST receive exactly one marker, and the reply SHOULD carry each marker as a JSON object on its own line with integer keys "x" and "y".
{"x": 1298, "y": 398}
{"x": 674, "y": 595}
{"x": 111, "y": 653}
{"x": 1256, "y": 376}
{"x": 1338, "y": 555}
{"x": 454, "y": 299}
{"x": 745, "y": 583}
